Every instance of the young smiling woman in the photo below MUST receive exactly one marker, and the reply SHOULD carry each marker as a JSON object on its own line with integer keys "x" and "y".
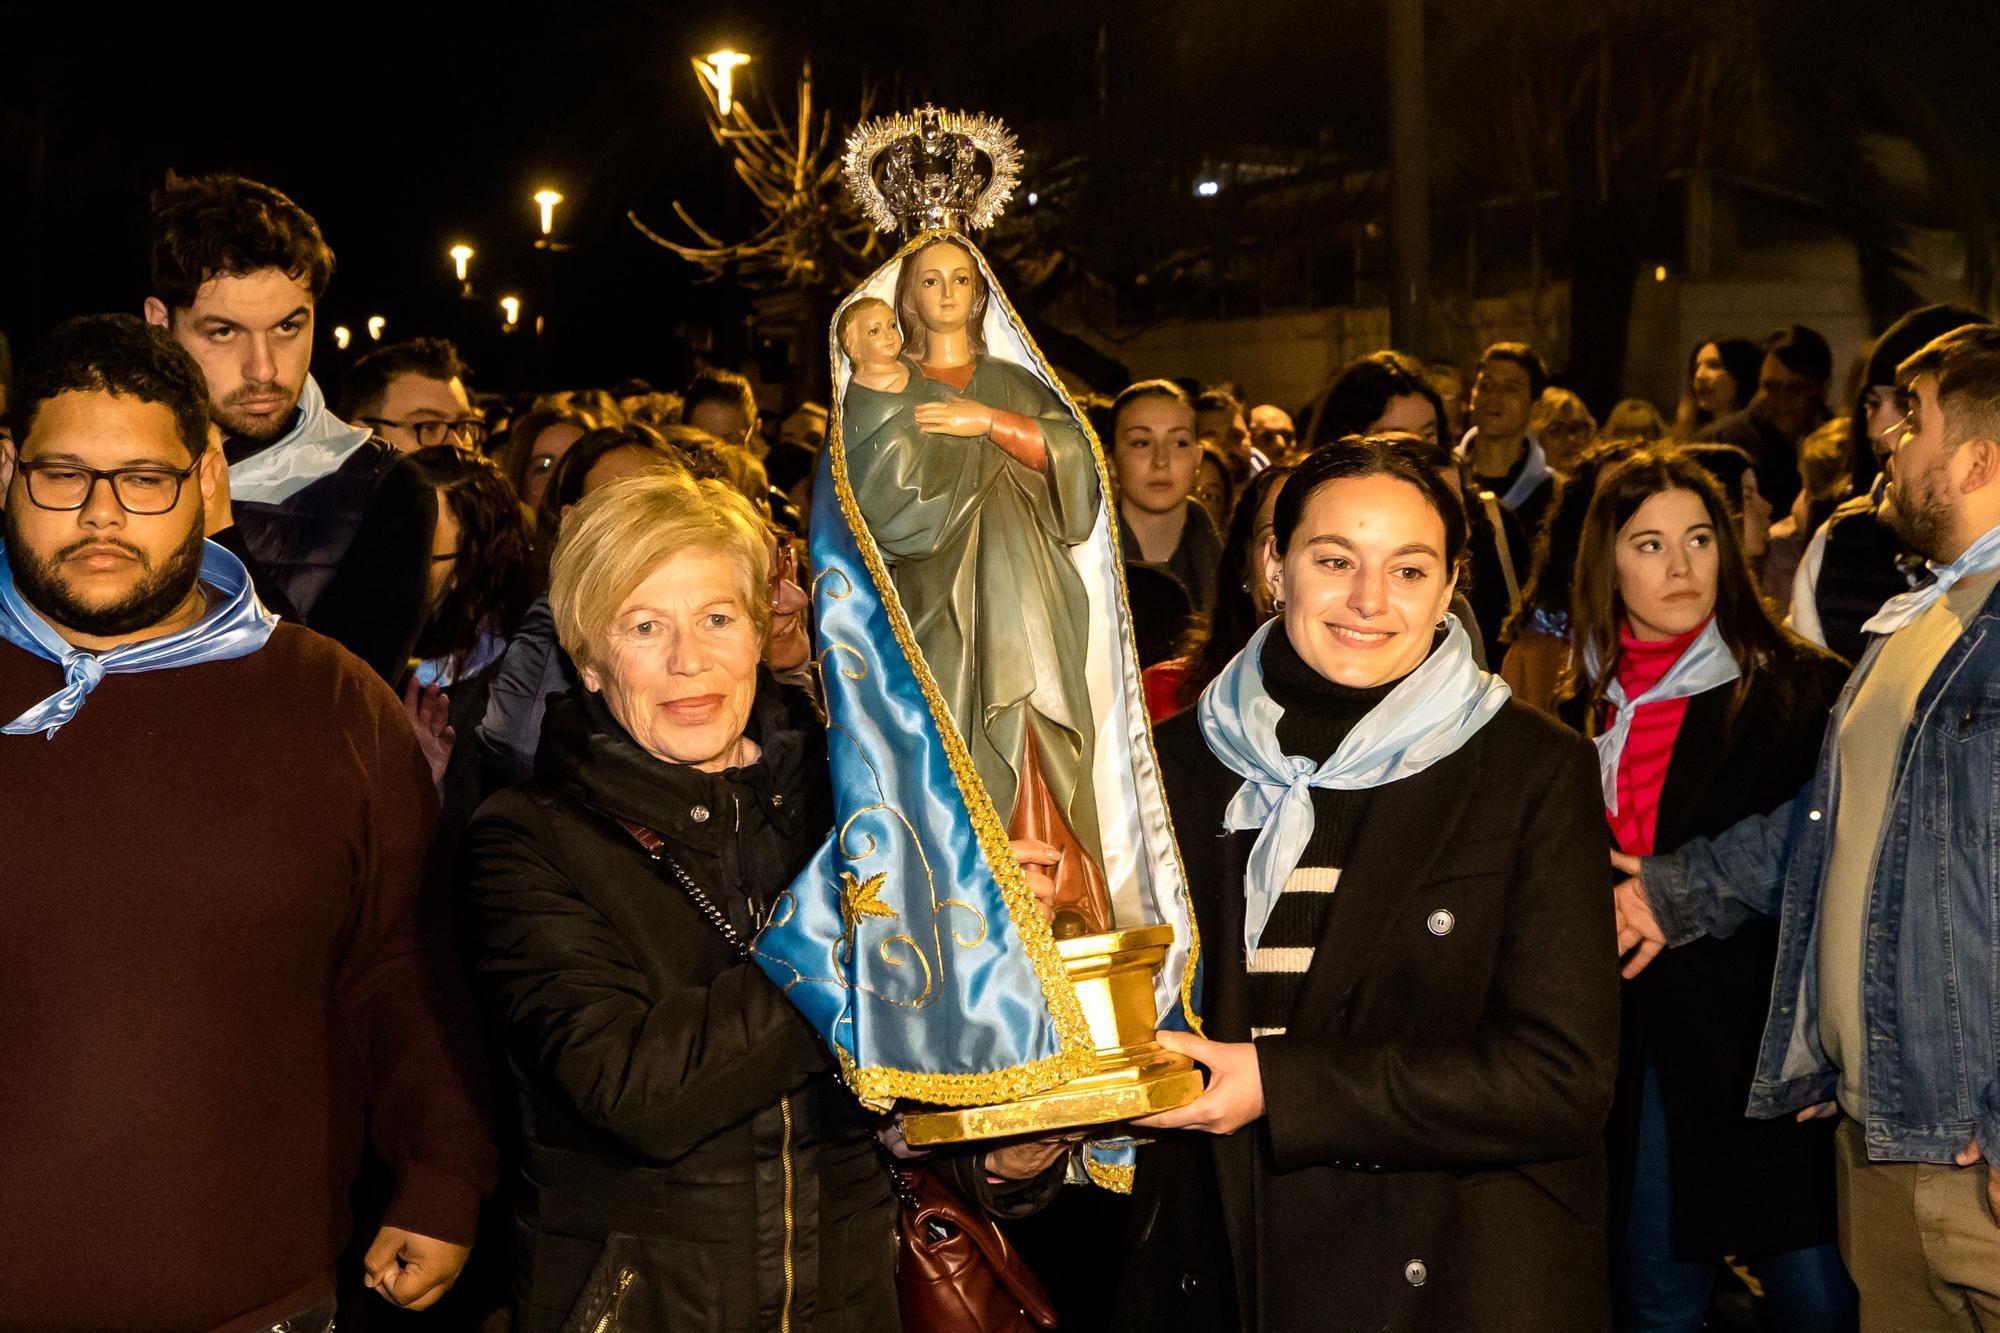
{"x": 1418, "y": 1063}
{"x": 1704, "y": 710}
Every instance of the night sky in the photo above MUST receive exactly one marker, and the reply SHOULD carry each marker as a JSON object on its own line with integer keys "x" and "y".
{"x": 406, "y": 128}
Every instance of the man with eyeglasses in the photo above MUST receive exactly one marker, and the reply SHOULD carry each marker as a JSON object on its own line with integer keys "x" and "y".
{"x": 412, "y": 395}
{"x": 218, "y": 973}
{"x": 334, "y": 526}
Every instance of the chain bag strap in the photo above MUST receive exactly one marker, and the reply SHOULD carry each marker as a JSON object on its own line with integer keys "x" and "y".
{"x": 656, "y": 847}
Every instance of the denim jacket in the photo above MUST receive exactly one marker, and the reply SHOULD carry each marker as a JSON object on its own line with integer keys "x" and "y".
{"x": 1931, "y": 965}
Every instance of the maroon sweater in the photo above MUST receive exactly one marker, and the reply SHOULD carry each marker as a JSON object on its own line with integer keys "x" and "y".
{"x": 213, "y": 973}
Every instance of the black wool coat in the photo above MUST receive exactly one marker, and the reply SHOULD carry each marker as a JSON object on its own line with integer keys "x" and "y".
{"x": 1431, "y": 1153}
{"x": 1740, "y": 1186}
{"x": 685, "y": 1134}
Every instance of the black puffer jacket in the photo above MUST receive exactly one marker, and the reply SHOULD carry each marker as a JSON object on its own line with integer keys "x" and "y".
{"x": 691, "y": 1158}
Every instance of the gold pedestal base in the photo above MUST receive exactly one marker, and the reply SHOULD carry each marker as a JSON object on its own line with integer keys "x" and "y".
{"x": 1134, "y": 1076}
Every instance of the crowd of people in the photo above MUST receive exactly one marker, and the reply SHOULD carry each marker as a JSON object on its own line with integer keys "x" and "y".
{"x": 1591, "y": 828}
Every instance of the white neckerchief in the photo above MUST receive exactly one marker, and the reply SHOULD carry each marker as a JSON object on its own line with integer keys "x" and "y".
{"x": 1428, "y": 715}
{"x": 316, "y": 445}
{"x": 1982, "y": 557}
{"x": 1703, "y": 665}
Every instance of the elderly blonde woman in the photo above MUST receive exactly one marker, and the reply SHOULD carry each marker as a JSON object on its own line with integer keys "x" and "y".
{"x": 691, "y": 1160}
{"x": 1564, "y": 425}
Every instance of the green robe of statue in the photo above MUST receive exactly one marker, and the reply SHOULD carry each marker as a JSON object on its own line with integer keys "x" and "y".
{"x": 976, "y": 543}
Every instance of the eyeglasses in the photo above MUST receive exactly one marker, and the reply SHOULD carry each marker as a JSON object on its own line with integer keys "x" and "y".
{"x": 470, "y": 432}
{"x": 138, "y": 490}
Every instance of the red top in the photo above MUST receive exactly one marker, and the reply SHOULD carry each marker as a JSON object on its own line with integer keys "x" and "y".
{"x": 1162, "y": 682}
{"x": 1642, "y": 767}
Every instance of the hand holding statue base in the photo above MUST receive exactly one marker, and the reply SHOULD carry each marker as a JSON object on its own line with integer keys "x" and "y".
{"x": 1113, "y": 973}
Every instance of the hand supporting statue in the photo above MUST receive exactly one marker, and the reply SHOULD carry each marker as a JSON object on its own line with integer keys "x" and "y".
{"x": 1235, "y": 1093}
{"x": 1036, "y": 859}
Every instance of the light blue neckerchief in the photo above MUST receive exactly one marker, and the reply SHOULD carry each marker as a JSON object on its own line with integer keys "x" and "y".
{"x": 1428, "y": 715}
{"x": 1534, "y": 471}
{"x": 440, "y": 671}
{"x": 317, "y": 444}
{"x": 1982, "y": 557}
{"x": 236, "y": 628}
{"x": 1705, "y": 664}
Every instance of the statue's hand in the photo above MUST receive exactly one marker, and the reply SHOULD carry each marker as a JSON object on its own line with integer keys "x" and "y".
{"x": 955, "y": 416}
{"x": 1037, "y": 859}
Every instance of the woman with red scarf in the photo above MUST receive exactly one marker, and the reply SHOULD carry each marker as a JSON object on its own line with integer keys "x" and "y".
{"x": 1703, "y": 710}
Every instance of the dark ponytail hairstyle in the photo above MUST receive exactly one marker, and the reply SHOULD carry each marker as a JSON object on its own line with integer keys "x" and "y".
{"x": 1761, "y": 646}
{"x": 1405, "y": 457}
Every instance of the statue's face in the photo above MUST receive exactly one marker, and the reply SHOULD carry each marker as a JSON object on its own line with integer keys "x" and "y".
{"x": 873, "y": 341}
{"x": 947, "y": 280}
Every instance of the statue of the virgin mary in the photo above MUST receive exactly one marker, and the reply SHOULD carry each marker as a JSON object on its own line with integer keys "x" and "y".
{"x": 981, "y": 688}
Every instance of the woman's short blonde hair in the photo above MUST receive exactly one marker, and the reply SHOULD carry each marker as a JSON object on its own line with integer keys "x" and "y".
{"x": 617, "y": 537}
{"x": 1555, "y": 403}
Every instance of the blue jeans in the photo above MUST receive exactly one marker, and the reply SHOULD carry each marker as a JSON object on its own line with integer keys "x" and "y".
{"x": 1805, "y": 1291}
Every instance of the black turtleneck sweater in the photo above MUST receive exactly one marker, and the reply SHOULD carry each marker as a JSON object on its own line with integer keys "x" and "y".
{"x": 1318, "y": 715}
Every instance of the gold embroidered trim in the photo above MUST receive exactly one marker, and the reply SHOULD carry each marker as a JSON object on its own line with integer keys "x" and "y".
{"x": 1109, "y": 1175}
{"x": 878, "y": 1086}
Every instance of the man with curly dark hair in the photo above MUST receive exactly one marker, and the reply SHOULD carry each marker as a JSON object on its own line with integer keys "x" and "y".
{"x": 336, "y": 532}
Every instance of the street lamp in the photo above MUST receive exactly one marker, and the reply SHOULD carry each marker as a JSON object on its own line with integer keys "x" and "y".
{"x": 717, "y": 70}
{"x": 510, "y": 310}
{"x": 341, "y": 336}
{"x": 375, "y": 323}
{"x": 548, "y": 199}
{"x": 461, "y": 255}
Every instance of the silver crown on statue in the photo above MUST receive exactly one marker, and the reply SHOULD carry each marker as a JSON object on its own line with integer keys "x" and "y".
{"x": 931, "y": 169}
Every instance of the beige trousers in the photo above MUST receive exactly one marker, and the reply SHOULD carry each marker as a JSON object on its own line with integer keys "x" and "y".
{"x": 1918, "y": 1240}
